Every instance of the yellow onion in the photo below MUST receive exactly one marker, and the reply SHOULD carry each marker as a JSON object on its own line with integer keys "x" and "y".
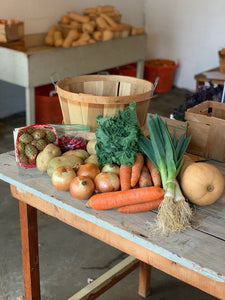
{"x": 107, "y": 182}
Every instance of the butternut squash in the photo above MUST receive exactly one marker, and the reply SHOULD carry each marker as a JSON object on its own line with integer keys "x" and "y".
{"x": 49, "y": 38}
{"x": 78, "y": 17}
{"x": 72, "y": 35}
{"x": 202, "y": 183}
{"x": 58, "y": 38}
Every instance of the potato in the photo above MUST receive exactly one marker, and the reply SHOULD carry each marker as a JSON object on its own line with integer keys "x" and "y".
{"x": 91, "y": 146}
{"x": 92, "y": 159}
{"x": 79, "y": 153}
{"x": 75, "y": 160}
{"x": 72, "y": 161}
{"x": 46, "y": 155}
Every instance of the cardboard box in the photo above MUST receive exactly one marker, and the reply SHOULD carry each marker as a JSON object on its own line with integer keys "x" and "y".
{"x": 206, "y": 126}
{"x": 11, "y": 32}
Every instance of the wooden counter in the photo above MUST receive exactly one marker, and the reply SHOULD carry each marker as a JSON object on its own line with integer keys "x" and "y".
{"x": 39, "y": 63}
{"x": 196, "y": 256}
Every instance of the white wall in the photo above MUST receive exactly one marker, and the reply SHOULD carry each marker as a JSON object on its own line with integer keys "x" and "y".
{"x": 190, "y": 31}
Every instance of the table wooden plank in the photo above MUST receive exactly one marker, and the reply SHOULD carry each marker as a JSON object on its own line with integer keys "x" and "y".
{"x": 107, "y": 280}
{"x": 113, "y": 236}
{"x": 184, "y": 248}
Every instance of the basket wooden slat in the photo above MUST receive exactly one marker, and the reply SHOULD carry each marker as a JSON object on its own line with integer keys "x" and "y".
{"x": 83, "y": 98}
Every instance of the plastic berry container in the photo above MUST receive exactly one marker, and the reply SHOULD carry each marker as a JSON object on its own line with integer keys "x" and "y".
{"x": 71, "y": 137}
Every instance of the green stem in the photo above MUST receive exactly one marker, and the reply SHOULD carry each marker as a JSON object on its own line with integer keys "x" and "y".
{"x": 163, "y": 174}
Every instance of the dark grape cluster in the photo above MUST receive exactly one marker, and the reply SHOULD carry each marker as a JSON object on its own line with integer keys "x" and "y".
{"x": 205, "y": 93}
{"x": 211, "y": 92}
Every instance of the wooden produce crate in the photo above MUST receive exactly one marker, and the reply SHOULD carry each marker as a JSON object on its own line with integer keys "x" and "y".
{"x": 206, "y": 126}
{"x": 11, "y": 32}
{"x": 179, "y": 127}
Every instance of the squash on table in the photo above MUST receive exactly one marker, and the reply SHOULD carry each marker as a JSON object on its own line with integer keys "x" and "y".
{"x": 202, "y": 183}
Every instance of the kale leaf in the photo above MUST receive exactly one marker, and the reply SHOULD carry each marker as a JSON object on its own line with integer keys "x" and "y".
{"x": 117, "y": 137}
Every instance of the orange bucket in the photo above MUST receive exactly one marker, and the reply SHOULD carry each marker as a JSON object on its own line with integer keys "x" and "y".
{"x": 47, "y": 107}
{"x": 164, "y": 69}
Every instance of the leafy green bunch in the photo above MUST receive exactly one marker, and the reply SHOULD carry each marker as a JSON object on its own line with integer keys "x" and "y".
{"x": 117, "y": 137}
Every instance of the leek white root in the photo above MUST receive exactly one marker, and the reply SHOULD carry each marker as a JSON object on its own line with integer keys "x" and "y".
{"x": 174, "y": 213}
{"x": 166, "y": 153}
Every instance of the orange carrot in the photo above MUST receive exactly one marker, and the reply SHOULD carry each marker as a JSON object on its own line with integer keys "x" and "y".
{"x": 136, "y": 169}
{"x": 155, "y": 174}
{"x": 139, "y": 207}
{"x": 120, "y": 198}
{"x": 145, "y": 178}
{"x": 125, "y": 178}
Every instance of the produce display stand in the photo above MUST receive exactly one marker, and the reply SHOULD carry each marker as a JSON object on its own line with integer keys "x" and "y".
{"x": 195, "y": 256}
{"x": 204, "y": 77}
{"x": 39, "y": 63}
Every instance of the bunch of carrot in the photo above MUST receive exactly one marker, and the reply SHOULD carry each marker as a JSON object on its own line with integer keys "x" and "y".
{"x": 140, "y": 189}
{"x": 142, "y": 173}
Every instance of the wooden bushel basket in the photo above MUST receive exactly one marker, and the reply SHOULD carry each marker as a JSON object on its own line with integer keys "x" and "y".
{"x": 206, "y": 126}
{"x": 83, "y": 98}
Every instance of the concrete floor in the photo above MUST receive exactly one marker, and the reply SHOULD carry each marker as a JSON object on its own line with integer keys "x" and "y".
{"x": 68, "y": 257}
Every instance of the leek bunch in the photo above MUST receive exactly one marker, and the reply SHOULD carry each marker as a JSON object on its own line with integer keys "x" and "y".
{"x": 166, "y": 153}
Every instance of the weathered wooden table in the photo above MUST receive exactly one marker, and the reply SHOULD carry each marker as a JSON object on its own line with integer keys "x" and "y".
{"x": 40, "y": 63}
{"x": 196, "y": 256}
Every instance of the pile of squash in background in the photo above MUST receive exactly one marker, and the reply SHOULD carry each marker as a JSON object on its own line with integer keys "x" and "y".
{"x": 97, "y": 24}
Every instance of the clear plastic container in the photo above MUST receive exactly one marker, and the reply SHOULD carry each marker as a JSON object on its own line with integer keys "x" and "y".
{"x": 71, "y": 137}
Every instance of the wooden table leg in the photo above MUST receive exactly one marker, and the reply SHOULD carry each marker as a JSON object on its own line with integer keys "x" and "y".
{"x": 29, "y": 242}
{"x": 144, "y": 279}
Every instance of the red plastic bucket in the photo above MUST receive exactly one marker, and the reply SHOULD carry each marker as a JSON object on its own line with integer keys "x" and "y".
{"x": 164, "y": 69}
{"x": 125, "y": 70}
{"x": 47, "y": 107}
{"x": 128, "y": 70}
